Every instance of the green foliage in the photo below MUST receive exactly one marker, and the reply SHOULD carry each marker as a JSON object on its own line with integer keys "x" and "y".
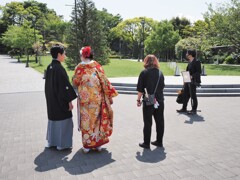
{"x": 180, "y": 24}
{"x": 108, "y": 21}
{"x": 37, "y": 16}
{"x": 187, "y": 43}
{"x": 229, "y": 60}
{"x": 88, "y": 31}
{"x": 162, "y": 38}
{"x": 20, "y": 37}
{"x": 224, "y": 23}
{"x": 133, "y": 33}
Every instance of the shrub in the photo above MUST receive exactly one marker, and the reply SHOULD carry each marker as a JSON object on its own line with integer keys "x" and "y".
{"x": 229, "y": 60}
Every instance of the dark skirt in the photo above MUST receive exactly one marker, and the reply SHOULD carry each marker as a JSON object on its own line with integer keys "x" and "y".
{"x": 59, "y": 133}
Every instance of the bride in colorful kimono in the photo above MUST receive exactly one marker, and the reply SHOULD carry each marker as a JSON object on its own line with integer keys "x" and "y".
{"x": 94, "y": 101}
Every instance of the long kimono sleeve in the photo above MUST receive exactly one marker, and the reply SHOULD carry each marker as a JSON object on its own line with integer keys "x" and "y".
{"x": 76, "y": 77}
{"x": 108, "y": 89}
{"x": 65, "y": 91}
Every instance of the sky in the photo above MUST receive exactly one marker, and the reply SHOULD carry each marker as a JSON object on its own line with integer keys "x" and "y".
{"x": 155, "y": 9}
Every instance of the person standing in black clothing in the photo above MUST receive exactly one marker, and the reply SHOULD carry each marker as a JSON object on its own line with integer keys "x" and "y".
{"x": 148, "y": 79}
{"x": 59, "y": 96}
{"x": 189, "y": 91}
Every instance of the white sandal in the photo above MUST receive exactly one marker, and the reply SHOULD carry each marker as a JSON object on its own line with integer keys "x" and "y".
{"x": 99, "y": 148}
{"x": 85, "y": 150}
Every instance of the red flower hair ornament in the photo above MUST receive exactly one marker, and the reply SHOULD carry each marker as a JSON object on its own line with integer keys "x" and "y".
{"x": 86, "y": 51}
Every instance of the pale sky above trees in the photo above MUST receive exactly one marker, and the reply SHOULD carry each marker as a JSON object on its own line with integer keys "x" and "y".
{"x": 156, "y": 9}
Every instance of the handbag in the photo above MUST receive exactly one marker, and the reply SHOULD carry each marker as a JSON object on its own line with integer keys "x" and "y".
{"x": 149, "y": 99}
{"x": 179, "y": 99}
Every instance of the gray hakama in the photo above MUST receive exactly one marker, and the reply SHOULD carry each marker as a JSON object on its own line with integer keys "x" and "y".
{"x": 59, "y": 133}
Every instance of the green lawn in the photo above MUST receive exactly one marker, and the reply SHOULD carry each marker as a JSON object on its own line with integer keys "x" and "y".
{"x": 216, "y": 70}
{"x": 126, "y": 68}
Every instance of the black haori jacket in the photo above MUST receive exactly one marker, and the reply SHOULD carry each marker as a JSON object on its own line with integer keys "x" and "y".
{"x": 58, "y": 91}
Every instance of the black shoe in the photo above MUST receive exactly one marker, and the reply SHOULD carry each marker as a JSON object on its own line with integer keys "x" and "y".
{"x": 143, "y": 145}
{"x": 155, "y": 143}
{"x": 192, "y": 112}
{"x": 181, "y": 110}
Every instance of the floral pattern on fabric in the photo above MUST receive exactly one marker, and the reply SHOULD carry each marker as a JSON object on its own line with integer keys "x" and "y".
{"x": 94, "y": 91}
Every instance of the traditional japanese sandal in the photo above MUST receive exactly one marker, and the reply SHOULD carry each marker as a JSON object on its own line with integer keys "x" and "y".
{"x": 85, "y": 150}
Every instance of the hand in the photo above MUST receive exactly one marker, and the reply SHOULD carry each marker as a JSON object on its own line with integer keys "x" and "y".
{"x": 139, "y": 103}
{"x": 70, "y": 106}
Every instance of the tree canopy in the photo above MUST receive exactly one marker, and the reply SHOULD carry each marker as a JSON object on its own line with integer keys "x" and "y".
{"x": 130, "y": 38}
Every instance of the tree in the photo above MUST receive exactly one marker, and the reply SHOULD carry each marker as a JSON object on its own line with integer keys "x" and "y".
{"x": 224, "y": 24}
{"x": 162, "y": 40}
{"x": 185, "y": 44}
{"x": 13, "y": 13}
{"x": 37, "y": 14}
{"x": 110, "y": 21}
{"x": 133, "y": 32}
{"x": 20, "y": 37}
{"x": 88, "y": 32}
{"x": 180, "y": 24}
{"x": 53, "y": 28}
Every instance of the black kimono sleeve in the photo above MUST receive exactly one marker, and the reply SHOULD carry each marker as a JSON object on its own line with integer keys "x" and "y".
{"x": 65, "y": 92}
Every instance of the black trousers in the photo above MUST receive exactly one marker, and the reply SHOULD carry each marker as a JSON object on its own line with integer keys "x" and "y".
{"x": 190, "y": 88}
{"x": 158, "y": 114}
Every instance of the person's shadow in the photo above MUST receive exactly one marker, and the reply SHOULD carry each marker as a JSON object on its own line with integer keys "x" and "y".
{"x": 81, "y": 163}
{"x": 84, "y": 163}
{"x": 151, "y": 156}
{"x": 50, "y": 159}
{"x": 194, "y": 118}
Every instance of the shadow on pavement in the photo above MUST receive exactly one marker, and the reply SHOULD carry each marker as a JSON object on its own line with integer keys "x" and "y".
{"x": 50, "y": 159}
{"x": 194, "y": 118}
{"x": 151, "y": 156}
{"x": 80, "y": 163}
{"x": 15, "y": 62}
{"x": 85, "y": 163}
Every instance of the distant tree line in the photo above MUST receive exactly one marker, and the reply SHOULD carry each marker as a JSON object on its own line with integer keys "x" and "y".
{"x": 30, "y": 27}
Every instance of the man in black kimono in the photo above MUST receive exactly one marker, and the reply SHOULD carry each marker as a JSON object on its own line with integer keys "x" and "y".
{"x": 189, "y": 91}
{"x": 59, "y": 95}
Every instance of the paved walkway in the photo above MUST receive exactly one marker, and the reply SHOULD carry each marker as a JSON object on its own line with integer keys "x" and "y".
{"x": 203, "y": 146}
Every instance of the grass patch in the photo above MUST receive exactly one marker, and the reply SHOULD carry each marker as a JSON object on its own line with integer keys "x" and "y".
{"x": 223, "y": 70}
{"x": 216, "y": 70}
{"x": 126, "y": 68}
{"x": 45, "y": 61}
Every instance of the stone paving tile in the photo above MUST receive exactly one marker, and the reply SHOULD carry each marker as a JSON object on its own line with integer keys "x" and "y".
{"x": 127, "y": 176}
{"x": 146, "y": 173}
{"x": 227, "y": 174}
{"x": 154, "y": 171}
{"x": 154, "y": 177}
{"x": 197, "y": 177}
{"x": 111, "y": 177}
{"x": 169, "y": 176}
{"x": 234, "y": 178}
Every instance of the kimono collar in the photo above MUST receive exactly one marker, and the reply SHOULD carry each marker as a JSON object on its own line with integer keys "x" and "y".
{"x": 86, "y": 62}
{"x": 55, "y": 61}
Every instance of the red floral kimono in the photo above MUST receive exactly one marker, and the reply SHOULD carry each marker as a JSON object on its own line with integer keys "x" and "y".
{"x": 95, "y": 92}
